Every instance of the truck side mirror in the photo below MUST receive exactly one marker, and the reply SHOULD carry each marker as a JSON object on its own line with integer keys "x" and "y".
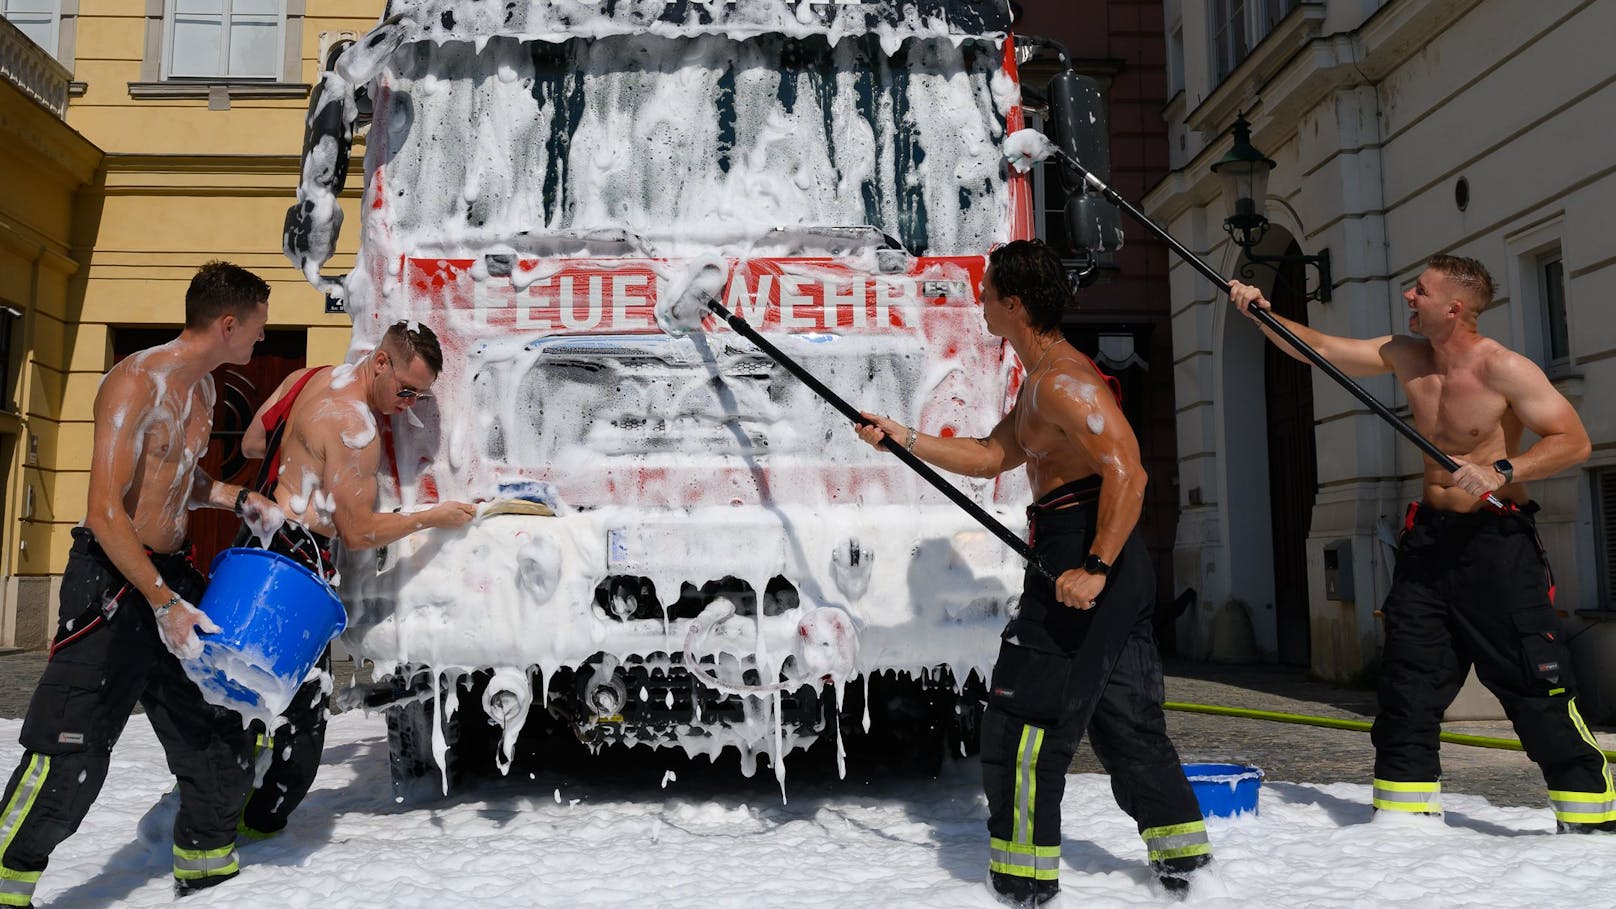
{"x": 1078, "y": 124}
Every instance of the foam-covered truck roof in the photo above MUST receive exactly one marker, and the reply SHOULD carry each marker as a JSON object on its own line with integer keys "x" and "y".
{"x": 558, "y": 20}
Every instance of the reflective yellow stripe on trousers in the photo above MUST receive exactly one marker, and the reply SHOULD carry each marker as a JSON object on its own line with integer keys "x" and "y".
{"x": 1585, "y": 807}
{"x": 17, "y": 887}
{"x": 1415, "y": 798}
{"x": 191, "y": 864}
{"x": 1018, "y": 856}
{"x": 1177, "y": 841}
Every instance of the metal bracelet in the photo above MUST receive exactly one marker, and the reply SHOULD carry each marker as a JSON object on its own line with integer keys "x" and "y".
{"x": 909, "y": 444}
{"x": 162, "y": 611}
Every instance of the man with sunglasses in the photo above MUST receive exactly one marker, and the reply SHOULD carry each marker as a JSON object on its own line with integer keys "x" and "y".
{"x": 322, "y": 450}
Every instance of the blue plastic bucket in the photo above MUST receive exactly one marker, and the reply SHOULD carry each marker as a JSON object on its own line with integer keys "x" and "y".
{"x": 1225, "y": 790}
{"x": 275, "y": 618}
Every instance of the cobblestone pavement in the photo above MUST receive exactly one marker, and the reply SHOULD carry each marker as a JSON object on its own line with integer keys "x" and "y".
{"x": 1289, "y": 752}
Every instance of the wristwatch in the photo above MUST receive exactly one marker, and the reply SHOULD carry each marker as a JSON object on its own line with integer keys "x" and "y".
{"x": 241, "y": 499}
{"x": 1505, "y": 470}
{"x": 1096, "y": 565}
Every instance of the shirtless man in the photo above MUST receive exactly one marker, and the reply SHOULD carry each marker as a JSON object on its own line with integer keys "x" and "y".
{"x": 1472, "y": 585}
{"x": 329, "y": 454}
{"x": 1080, "y": 654}
{"x": 126, "y": 616}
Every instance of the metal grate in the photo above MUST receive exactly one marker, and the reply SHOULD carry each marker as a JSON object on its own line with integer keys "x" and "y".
{"x": 1605, "y": 497}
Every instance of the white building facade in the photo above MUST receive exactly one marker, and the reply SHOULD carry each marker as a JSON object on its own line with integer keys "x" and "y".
{"x": 1399, "y": 129}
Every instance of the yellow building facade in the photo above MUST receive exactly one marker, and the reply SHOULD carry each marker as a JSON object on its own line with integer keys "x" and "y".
{"x": 136, "y": 142}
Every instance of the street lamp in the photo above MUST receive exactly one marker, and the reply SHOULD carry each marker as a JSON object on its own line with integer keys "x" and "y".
{"x": 1245, "y": 170}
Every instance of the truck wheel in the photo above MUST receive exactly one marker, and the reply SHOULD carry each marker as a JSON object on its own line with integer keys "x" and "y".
{"x": 414, "y": 771}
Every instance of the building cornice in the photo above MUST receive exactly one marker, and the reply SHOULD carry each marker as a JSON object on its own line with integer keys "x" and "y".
{"x": 31, "y": 129}
{"x": 1276, "y": 50}
{"x": 1275, "y": 98}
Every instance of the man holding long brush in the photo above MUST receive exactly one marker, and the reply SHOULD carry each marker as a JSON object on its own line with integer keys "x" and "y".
{"x": 127, "y": 618}
{"x": 1472, "y": 584}
{"x": 326, "y": 453}
{"x": 1080, "y": 653}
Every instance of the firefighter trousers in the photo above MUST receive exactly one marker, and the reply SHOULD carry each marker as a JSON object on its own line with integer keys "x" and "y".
{"x": 107, "y": 657}
{"x": 292, "y": 751}
{"x": 1474, "y": 590}
{"x": 1062, "y": 671}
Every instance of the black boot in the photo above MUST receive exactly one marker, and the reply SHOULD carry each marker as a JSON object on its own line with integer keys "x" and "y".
{"x": 1575, "y": 827}
{"x": 187, "y": 887}
{"x": 1021, "y": 891}
{"x": 1176, "y": 873}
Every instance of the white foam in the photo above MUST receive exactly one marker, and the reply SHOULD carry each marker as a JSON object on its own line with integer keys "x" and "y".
{"x": 1027, "y": 147}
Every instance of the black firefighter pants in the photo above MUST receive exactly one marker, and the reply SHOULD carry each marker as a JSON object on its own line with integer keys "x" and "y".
{"x": 1473, "y": 589}
{"x": 1061, "y": 671}
{"x": 293, "y": 749}
{"x": 107, "y": 657}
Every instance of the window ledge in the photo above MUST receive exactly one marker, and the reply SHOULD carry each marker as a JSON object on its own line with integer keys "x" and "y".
{"x": 205, "y": 89}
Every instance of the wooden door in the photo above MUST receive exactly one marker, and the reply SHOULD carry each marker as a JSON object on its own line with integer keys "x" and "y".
{"x": 1292, "y": 469}
{"x": 241, "y": 391}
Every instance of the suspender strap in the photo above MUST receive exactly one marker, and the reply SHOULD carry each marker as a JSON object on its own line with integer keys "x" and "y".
{"x": 274, "y": 421}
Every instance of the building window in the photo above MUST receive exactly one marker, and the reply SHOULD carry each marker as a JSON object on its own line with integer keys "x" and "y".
{"x": 231, "y": 39}
{"x": 1551, "y": 291}
{"x": 1271, "y": 11}
{"x": 9, "y": 319}
{"x": 35, "y": 18}
{"x": 1229, "y": 45}
{"x": 1240, "y": 25}
{"x": 1605, "y": 527}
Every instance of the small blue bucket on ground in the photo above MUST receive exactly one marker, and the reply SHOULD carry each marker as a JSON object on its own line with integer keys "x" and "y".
{"x": 1225, "y": 790}
{"x": 275, "y": 618}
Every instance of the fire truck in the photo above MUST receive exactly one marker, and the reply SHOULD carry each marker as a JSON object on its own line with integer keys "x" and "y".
{"x": 686, "y": 549}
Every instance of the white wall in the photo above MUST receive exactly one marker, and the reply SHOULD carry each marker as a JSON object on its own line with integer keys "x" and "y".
{"x": 1373, "y": 111}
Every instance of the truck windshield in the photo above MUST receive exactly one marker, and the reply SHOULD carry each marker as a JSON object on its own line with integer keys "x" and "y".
{"x": 684, "y": 141}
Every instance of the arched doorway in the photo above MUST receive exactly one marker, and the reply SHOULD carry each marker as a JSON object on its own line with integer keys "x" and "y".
{"x": 1292, "y": 467}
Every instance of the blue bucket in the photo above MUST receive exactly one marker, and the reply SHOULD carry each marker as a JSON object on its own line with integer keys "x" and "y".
{"x": 275, "y": 618}
{"x": 1225, "y": 790}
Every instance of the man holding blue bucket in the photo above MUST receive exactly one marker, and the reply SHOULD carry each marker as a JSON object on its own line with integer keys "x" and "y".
{"x": 126, "y": 617}
{"x": 322, "y": 451}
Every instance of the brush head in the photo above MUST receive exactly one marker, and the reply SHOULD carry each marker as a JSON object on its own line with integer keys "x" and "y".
{"x": 682, "y": 300}
{"x": 1027, "y": 147}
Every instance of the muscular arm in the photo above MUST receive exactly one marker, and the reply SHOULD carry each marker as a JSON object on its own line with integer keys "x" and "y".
{"x": 1562, "y": 442}
{"x": 1353, "y": 356}
{"x": 350, "y": 479}
{"x": 255, "y": 441}
{"x": 117, "y": 446}
{"x": 985, "y": 457}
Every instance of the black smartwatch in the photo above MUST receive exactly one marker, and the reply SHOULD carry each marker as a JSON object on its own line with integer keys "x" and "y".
{"x": 241, "y": 499}
{"x": 1505, "y": 470}
{"x": 1096, "y": 565}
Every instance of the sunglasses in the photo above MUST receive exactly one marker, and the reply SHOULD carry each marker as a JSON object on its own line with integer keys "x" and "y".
{"x": 410, "y": 394}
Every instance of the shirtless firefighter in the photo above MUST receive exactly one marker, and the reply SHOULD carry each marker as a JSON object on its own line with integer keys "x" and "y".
{"x": 126, "y": 615}
{"x": 1472, "y": 585}
{"x": 320, "y": 435}
{"x": 1081, "y": 654}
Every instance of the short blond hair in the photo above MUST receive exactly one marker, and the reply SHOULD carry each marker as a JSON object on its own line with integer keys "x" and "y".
{"x": 1469, "y": 274}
